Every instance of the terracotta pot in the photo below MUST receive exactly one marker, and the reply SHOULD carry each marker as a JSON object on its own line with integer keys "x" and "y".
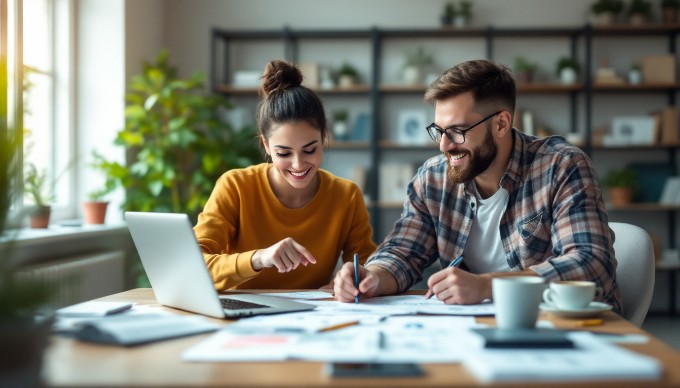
{"x": 94, "y": 212}
{"x": 669, "y": 15}
{"x": 620, "y": 196}
{"x": 40, "y": 217}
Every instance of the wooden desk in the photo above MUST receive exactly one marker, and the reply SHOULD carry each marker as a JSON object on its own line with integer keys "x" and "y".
{"x": 73, "y": 363}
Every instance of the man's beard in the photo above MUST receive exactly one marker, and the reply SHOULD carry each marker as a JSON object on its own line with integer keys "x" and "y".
{"x": 481, "y": 159}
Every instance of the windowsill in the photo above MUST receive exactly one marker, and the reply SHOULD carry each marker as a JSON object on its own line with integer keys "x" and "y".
{"x": 32, "y": 246}
{"x": 57, "y": 233}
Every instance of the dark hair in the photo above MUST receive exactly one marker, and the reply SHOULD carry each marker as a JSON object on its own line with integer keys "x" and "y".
{"x": 491, "y": 84}
{"x": 285, "y": 100}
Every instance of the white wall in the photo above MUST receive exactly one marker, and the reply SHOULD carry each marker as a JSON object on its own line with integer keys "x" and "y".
{"x": 188, "y": 22}
{"x": 100, "y": 85}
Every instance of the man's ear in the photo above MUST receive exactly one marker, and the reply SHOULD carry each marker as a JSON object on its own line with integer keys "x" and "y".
{"x": 504, "y": 123}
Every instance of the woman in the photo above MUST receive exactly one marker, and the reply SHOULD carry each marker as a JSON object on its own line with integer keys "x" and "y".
{"x": 284, "y": 224}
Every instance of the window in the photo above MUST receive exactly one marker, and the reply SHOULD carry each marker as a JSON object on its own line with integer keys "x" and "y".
{"x": 39, "y": 93}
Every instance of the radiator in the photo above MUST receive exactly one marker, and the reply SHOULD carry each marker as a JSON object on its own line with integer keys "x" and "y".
{"x": 80, "y": 278}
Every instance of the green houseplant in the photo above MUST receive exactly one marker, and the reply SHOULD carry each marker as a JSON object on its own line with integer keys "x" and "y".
{"x": 567, "y": 70}
{"x": 524, "y": 69}
{"x": 606, "y": 11}
{"x": 621, "y": 184}
{"x": 23, "y": 338}
{"x": 457, "y": 15}
{"x": 96, "y": 205}
{"x": 39, "y": 190}
{"x": 347, "y": 75}
{"x": 639, "y": 11}
{"x": 415, "y": 63}
{"x": 176, "y": 142}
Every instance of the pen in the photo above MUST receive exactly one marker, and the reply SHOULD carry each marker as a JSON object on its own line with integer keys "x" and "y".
{"x": 338, "y": 326}
{"x": 453, "y": 263}
{"x": 382, "y": 341}
{"x": 356, "y": 276}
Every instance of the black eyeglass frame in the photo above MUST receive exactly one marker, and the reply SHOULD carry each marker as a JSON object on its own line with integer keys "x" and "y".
{"x": 445, "y": 131}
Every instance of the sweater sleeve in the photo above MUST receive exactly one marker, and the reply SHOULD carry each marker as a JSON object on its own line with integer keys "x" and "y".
{"x": 360, "y": 236}
{"x": 216, "y": 228}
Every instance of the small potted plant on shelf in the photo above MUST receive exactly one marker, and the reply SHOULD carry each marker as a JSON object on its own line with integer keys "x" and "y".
{"x": 340, "y": 125}
{"x": 347, "y": 75}
{"x": 449, "y": 14}
{"x": 606, "y": 11}
{"x": 94, "y": 209}
{"x": 635, "y": 74}
{"x": 524, "y": 70}
{"x": 567, "y": 70}
{"x": 621, "y": 185}
{"x": 669, "y": 11}
{"x": 40, "y": 193}
{"x": 415, "y": 63}
{"x": 457, "y": 15}
{"x": 639, "y": 12}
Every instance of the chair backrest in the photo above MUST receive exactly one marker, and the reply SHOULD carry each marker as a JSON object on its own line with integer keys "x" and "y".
{"x": 636, "y": 270}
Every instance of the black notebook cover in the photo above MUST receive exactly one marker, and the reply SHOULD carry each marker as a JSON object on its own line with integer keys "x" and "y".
{"x": 524, "y": 338}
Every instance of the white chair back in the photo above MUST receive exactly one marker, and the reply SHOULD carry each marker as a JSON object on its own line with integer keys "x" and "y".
{"x": 635, "y": 273}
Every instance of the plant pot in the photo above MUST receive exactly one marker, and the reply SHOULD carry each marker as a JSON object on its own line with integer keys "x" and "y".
{"x": 638, "y": 19}
{"x": 345, "y": 81}
{"x": 40, "y": 217}
{"x": 669, "y": 15}
{"x": 620, "y": 196}
{"x": 525, "y": 76}
{"x": 634, "y": 77}
{"x": 340, "y": 130}
{"x": 412, "y": 75}
{"x": 605, "y": 18}
{"x": 94, "y": 212}
{"x": 460, "y": 21}
{"x": 23, "y": 346}
{"x": 567, "y": 76}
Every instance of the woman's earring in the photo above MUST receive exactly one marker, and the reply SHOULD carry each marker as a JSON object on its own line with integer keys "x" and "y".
{"x": 268, "y": 158}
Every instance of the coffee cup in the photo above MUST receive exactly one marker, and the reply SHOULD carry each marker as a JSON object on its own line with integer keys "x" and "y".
{"x": 516, "y": 300}
{"x": 569, "y": 294}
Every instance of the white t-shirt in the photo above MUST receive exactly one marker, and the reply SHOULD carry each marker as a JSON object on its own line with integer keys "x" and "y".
{"x": 484, "y": 249}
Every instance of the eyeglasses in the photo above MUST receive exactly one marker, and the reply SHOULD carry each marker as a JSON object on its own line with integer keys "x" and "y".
{"x": 455, "y": 136}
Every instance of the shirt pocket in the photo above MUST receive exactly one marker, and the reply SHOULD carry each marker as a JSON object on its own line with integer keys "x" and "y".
{"x": 534, "y": 235}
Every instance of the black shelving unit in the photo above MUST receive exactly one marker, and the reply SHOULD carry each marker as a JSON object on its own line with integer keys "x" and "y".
{"x": 580, "y": 40}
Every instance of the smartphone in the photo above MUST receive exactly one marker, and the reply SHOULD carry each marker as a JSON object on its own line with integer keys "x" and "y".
{"x": 360, "y": 369}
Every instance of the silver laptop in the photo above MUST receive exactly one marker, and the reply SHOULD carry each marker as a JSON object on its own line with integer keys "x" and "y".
{"x": 179, "y": 277}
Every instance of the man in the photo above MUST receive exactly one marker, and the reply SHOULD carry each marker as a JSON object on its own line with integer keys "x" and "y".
{"x": 508, "y": 203}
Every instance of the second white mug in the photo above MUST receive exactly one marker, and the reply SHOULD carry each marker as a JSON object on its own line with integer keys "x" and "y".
{"x": 569, "y": 295}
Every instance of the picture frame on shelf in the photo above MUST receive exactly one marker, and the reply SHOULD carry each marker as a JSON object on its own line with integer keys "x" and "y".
{"x": 632, "y": 130}
{"x": 411, "y": 128}
{"x": 361, "y": 130}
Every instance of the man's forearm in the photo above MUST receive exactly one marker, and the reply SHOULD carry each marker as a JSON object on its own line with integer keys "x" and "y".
{"x": 388, "y": 284}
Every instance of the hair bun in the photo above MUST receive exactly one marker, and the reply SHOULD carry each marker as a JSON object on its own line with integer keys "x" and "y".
{"x": 279, "y": 75}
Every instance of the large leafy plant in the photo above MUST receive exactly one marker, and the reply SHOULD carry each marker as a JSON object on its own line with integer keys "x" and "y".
{"x": 176, "y": 143}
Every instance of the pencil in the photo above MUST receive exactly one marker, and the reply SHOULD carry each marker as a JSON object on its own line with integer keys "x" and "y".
{"x": 453, "y": 263}
{"x": 338, "y": 326}
{"x": 588, "y": 322}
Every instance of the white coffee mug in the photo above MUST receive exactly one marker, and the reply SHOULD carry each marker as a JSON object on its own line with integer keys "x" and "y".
{"x": 569, "y": 294}
{"x": 516, "y": 299}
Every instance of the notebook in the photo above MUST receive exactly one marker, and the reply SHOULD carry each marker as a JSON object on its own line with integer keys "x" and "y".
{"x": 174, "y": 264}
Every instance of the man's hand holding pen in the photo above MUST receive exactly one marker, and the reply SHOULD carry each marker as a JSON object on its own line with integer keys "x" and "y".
{"x": 453, "y": 285}
{"x": 344, "y": 289}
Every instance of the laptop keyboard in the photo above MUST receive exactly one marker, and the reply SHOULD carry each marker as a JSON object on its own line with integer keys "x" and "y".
{"x": 233, "y": 304}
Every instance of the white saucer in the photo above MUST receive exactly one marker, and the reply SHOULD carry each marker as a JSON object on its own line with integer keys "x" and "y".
{"x": 594, "y": 309}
